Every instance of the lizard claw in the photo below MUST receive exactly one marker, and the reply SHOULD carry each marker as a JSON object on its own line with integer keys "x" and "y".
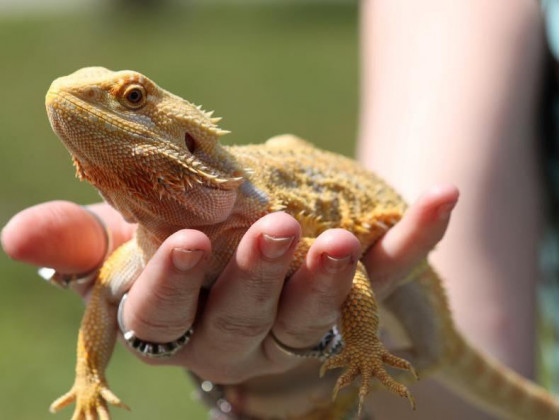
{"x": 91, "y": 401}
{"x": 368, "y": 362}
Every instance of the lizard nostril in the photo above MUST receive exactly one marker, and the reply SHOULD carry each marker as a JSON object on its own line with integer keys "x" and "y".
{"x": 189, "y": 142}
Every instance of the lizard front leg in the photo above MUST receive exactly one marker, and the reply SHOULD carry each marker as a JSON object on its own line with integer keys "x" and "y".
{"x": 363, "y": 353}
{"x": 97, "y": 336}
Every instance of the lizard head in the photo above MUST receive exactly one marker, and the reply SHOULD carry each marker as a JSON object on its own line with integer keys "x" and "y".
{"x": 128, "y": 136}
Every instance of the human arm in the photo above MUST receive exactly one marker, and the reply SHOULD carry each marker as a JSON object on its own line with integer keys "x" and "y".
{"x": 449, "y": 91}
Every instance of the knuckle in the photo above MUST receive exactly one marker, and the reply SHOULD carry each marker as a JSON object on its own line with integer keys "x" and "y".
{"x": 259, "y": 282}
{"x": 169, "y": 295}
{"x": 262, "y": 271}
{"x": 165, "y": 295}
{"x": 163, "y": 328}
{"x": 303, "y": 335}
{"x": 244, "y": 327}
{"x": 324, "y": 294}
{"x": 328, "y": 298}
{"x": 258, "y": 292}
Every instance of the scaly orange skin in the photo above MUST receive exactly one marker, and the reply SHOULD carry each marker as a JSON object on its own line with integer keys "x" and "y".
{"x": 156, "y": 158}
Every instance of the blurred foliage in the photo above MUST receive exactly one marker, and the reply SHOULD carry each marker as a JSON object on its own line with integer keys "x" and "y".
{"x": 267, "y": 69}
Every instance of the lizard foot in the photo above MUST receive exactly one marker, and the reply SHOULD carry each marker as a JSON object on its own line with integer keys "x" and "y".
{"x": 368, "y": 361}
{"x": 91, "y": 401}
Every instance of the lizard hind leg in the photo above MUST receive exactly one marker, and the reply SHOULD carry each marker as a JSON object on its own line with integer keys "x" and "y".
{"x": 363, "y": 353}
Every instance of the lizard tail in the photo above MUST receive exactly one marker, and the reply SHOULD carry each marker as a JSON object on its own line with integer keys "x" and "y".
{"x": 422, "y": 308}
{"x": 489, "y": 384}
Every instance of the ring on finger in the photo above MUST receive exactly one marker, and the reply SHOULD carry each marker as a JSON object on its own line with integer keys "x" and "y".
{"x": 64, "y": 280}
{"x": 330, "y": 345}
{"x": 148, "y": 348}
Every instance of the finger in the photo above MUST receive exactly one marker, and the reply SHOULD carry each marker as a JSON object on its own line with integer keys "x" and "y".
{"x": 410, "y": 240}
{"x": 57, "y": 234}
{"x": 121, "y": 230}
{"x": 242, "y": 303}
{"x": 162, "y": 302}
{"x": 311, "y": 300}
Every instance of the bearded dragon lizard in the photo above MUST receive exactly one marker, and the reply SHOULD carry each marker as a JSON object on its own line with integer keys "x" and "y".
{"x": 156, "y": 158}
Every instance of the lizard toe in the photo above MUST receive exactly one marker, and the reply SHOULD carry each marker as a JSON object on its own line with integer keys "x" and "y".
{"x": 368, "y": 362}
{"x": 399, "y": 363}
{"x": 91, "y": 399}
{"x": 63, "y": 401}
{"x": 333, "y": 362}
{"x": 344, "y": 380}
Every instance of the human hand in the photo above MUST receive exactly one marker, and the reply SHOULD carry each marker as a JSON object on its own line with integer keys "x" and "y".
{"x": 250, "y": 298}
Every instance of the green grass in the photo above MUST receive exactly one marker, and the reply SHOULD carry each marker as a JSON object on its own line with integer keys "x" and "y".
{"x": 266, "y": 70}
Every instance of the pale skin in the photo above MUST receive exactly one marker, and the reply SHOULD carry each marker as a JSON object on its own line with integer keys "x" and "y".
{"x": 161, "y": 305}
{"x": 455, "y": 87}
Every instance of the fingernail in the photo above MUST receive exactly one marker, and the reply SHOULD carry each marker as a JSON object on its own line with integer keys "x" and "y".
{"x": 334, "y": 265}
{"x": 444, "y": 211}
{"x": 185, "y": 259}
{"x": 274, "y": 247}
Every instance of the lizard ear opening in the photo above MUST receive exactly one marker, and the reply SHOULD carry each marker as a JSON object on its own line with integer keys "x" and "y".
{"x": 189, "y": 142}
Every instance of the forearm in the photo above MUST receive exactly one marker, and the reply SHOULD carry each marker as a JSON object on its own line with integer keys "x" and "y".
{"x": 298, "y": 393}
{"x": 449, "y": 92}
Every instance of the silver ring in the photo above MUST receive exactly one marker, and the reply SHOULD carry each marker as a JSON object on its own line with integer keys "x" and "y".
{"x": 147, "y": 348}
{"x": 64, "y": 280}
{"x": 331, "y": 344}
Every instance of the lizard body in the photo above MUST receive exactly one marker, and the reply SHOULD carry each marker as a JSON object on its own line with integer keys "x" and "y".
{"x": 156, "y": 158}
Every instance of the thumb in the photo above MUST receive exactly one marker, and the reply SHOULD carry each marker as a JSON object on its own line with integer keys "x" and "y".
{"x": 57, "y": 234}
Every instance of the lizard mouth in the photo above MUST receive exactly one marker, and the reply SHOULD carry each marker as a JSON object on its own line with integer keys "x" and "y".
{"x": 172, "y": 167}
{"x": 61, "y": 104}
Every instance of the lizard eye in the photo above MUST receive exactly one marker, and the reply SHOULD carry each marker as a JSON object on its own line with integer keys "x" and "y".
{"x": 134, "y": 96}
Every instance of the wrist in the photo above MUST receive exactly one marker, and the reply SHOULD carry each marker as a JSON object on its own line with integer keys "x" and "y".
{"x": 296, "y": 394}
{"x": 288, "y": 395}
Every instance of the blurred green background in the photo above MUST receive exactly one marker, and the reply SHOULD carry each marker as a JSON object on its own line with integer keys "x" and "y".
{"x": 267, "y": 69}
